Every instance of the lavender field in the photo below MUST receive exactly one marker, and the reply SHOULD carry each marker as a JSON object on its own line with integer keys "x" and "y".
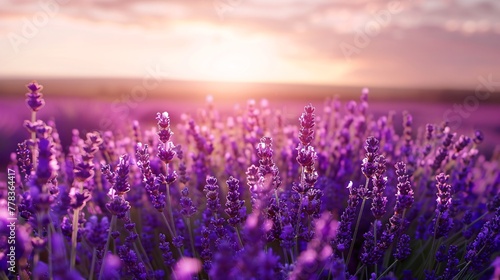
{"x": 342, "y": 185}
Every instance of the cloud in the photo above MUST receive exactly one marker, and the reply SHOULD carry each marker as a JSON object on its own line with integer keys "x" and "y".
{"x": 454, "y": 37}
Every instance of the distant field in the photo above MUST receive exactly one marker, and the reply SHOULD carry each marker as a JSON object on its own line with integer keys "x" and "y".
{"x": 95, "y": 105}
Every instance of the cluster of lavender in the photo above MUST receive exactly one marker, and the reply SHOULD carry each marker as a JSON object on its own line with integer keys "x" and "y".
{"x": 336, "y": 195}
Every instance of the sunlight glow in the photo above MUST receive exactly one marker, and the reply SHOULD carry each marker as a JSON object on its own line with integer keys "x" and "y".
{"x": 233, "y": 60}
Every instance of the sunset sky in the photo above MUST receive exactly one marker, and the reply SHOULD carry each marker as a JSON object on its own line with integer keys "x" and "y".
{"x": 428, "y": 43}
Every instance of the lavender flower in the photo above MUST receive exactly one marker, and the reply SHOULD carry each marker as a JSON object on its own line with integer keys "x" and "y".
{"x": 266, "y": 163}
{"x": 34, "y": 98}
{"x": 404, "y": 198}
{"x": 379, "y": 200}
{"x": 96, "y": 232}
{"x": 23, "y": 156}
{"x": 369, "y": 165}
{"x": 164, "y": 131}
{"x": 168, "y": 256}
{"x": 344, "y": 233}
{"x": 442, "y": 222}
{"x": 442, "y": 152}
{"x": 318, "y": 251}
{"x": 117, "y": 205}
{"x": 479, "y": 251}
{"x": 405, "y": 195}
{"x": 403, "y": 249}
{"x": 452, "y": 265}
{"x": 121, "y": 184}
{"x": 223, "y": 263}
{"x": 290, "y": 232}
{"x": 478, "y": 137}
{"x": 187, "y": 204}
{"x": 306, "y": 155}
{"x": 233, "y": 202}
{"x": 212, "y": 193}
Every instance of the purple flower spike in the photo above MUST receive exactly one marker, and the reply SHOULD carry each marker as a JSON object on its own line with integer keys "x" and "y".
{"x": 233, "y": 204}
{"x": 122, "y": 186}
{"x": 403, "y": 249}
{"x": 186, "y": 203}
{"x": 266, "y": 163}
{"x": 443, "y": 222}
{"x": 168, "y": 256}
{"x": 369, "y": 165}
{"x": 405, "y": 195}
{"x": 212, "y": 193}
{"x": 307, "y": 123}
{"x": 118, "y": 206}
{"x": 34, "y": 99}
{"x": 344, "y": 232}
{"x": 163, "y": 120}
{"x": 478, "y": 137}
{"x": 486, "y": 242}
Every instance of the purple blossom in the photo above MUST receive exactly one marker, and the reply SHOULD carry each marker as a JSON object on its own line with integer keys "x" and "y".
{"x": 318, "y": 251}
{"x": 452, "y": 265}
{"x": 34, "y": 98}
{"x": 344, "y": 232}
{"x": 118, "y": 206}
{"x": 403, "y": 249}
{"x": 233, "y": 202}
{"x": 442, "y": 222}
{"x": 168, "y": 256}
{"x": 379, "y": 201}
{"x": 369, "y": 165}
{"x": 212, "y": 194}
{"x": 295, "y": 175}
{"x": 186, "y": 203}
{"x": 479, "y": 251}
{"x": 121, "y": 184}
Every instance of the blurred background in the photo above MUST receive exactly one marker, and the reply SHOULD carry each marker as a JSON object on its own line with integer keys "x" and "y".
{"x": 104, "y": 63}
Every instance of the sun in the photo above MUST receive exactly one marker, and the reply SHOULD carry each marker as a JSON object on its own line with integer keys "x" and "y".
{"x": 241, "y": 60}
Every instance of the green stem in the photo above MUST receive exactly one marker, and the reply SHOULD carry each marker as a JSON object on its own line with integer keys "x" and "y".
{"x": 144, "y": 259}
{"x": 74, "y": 235}
{"x": 170, "y": 213}
{"x": 106, "y": 248}
{"x": 459, "y": 274}
{"x": 49, "y": 241}
{"x": 297, "y": 225}
{"x": 387, "y": 270}
{"x": 239, "y": 236}
{"x": 375, "y": 240}
{"x": 351, "y": 246}
{"x": 168, "y": 225}
{"x": 170, "y": 231}
{"x": 191, "y": 238}
{"x": 291, "y": 256}
{"x": 92, "y": 266}
{"x": 359, "y": 270}
{"x": 138, "y": 245}
{"x": 33, "y": 138}
{"x": 467, "y": 226}
{"x": 419, "y": 253}
{"x": 464, "y": 270}
{"x": 36, "y": 257}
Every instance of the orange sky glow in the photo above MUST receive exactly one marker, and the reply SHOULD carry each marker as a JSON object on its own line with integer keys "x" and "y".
{"x": 427, "y": 43}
